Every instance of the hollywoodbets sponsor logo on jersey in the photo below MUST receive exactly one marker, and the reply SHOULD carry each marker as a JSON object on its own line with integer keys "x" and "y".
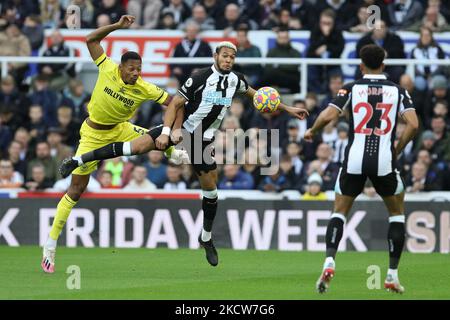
{"x": 115, "y": 95}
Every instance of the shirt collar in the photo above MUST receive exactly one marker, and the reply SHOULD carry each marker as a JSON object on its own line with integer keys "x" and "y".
{"x": 375, "y": 76}
{"x": 213, "y": 67}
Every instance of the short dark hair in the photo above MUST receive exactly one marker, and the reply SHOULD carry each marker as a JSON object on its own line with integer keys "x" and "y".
{"x": 372, "y": 56}
{"x": 130, "y": 55}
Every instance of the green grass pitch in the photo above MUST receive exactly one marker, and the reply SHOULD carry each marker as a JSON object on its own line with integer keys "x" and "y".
{"x": 184, "y": 274}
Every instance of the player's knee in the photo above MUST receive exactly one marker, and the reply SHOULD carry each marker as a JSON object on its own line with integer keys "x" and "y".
{"x": 76, "y": 190}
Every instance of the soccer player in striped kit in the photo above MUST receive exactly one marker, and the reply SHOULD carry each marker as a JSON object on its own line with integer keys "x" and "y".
{"x": 373, "y": 104}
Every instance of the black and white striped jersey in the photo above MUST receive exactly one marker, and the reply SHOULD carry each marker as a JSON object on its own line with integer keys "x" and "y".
{"x": 209, "y": 94}
{"x": 373, "y": 104}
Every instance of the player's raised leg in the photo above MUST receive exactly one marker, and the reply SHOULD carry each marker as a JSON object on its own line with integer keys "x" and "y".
{"x": 140, "y": 145}
{"x": 333, "y": 236}
{"x": 396, "y": 240}
{"x": 208, "y": 182}
{"x": 65, "y": 205}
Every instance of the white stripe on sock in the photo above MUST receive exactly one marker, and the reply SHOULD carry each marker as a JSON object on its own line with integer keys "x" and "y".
{"x": 339, "y": 216}
{"x": 400, "y": 218}
{"x": 126, "y": 148}
{"x": 206, "y": 236}
{"x": 78, "y": 159}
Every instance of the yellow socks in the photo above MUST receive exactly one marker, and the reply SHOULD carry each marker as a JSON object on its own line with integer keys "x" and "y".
{"x": 63, "y": 209}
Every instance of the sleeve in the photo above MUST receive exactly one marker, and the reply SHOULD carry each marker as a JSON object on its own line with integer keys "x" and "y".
{"x": 406, "y": 102}
{"x": 342, "y": 98}
{"x": 104, "y": 63}
{"x": 191, "y": 86}
{"x": 155, "y": 93}
{"x": 242, "y": 84}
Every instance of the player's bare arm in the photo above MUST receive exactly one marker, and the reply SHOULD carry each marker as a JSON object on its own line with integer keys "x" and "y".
{"x": 412, "y": 126}
{"x": 175, "y": 105}
{"x": 325, "y": 117}
{"x": 298, "y": 113}
{"x": 93, "y": 39}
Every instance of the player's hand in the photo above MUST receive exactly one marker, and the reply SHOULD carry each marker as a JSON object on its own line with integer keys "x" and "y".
{"x": 162, "y": 142}
{"x": 126, "y": 21}
{"x": 177, "y": 136}
{"x": 298, "y": 113}
{"x": 309, "y": 136}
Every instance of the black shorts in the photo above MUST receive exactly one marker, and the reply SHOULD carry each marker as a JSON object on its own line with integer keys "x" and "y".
{"x": 201, "y": 152}
{"x": 353, "y": 184}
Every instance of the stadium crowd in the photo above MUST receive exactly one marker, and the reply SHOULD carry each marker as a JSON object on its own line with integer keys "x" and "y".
{"x": 42, "y": 107}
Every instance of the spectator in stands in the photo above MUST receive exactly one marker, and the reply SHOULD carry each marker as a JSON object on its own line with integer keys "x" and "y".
{"x": 5, "y": 138}
{"x": 404, "y": 13}
{"x": 45, "y": 97}
{"x": 440, "y": 131}
{"x": 112, "y": 8}
{"x": 276, "y": 182}
{"x": 167, "y": 21}
{"x": 120, "y": 169}
{"x": 191, "y": 46}
{"x": 146, "y": 13}
{"x": 174, "y": 178}
{"x": 14, "y": 43}
{"x": 417, "y": 96}
{"x": 87, "y": 12}
{"x": 369, "y": 189}
{"x": 11, "y": 12}
{"x": 433, "y": 168}
{"x": 105, "y": 178}
{"x": 232, "y": 19}
{"x": 235, "y": 179}
{"x": 14, "y": 103}
{"x": 329, "y": 133}
{"x": 8, "y": 177}
{"x": 238, "y": 110}
{"x": 341, "y": 143}
{"x": 74, "y": 95}
{"x": 433, "y": 20}
{"x": 178, "y": 8}
{"x": 313, "y": 189}
{"x": 288, "y": 171}
{"x": 139, "y": 181}
{"x": 344, "y": 11}
{"x": 417, "y": 181}
{"x": 214, "y": 8}
{"x": 359, "y": 23}
{"x": 57, "y": 73}
{"x": 156, "y": 169}
{"x": 44, "y": 158}
{"x": 326, "y": 41}
{"x": 293, "y": 132}
{"x": 426, "y": 49}
{"x": 52, "y": 14}
{"x": 37, "y": 125}
{"x": 14, "y": 150}
{"x": 23, "y": 136}
{"x": 102, "y": 20}
{"x": 443, "y": 7}
{"x": 34, "y": 31}
{"x": 58, "y": 150}
{"x": 439, "y": 91}
{"x": 294, "y": 151}
{"x": 200, "y": 17}
{"x": 245, "y": 49}
{"x": 286, "y": 77}
{"x": 304, "y": 11}
{"x": 392, "y": 44}
{"x": 334, "y": 85}
{"x": 38, "y": 182}
{"x": 69, "y": 127}
{"x": 324, "y": 166}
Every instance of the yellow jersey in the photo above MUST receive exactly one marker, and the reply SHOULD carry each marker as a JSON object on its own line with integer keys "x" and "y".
{"x": 112, "y": 100}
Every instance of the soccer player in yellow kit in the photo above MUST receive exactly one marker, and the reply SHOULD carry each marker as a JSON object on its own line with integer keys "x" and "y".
{"x": 118, "y": 93}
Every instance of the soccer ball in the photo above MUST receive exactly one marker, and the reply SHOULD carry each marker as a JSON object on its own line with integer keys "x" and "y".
{"x": 266, "y": 99}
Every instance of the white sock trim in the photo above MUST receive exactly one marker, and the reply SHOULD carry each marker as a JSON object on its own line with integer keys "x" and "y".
{"x": 126, "y": 148}
{"x": 51, "y": 243}
{"x": 212, "y": 194}
{"x": 206, "y": 236}
{"x": 399, "y": 218}
{"x": 339, "y": 216}
{"x": 78, "y": 159}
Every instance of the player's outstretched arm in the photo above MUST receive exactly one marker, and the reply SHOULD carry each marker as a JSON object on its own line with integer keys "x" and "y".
{"x": 298, "y": 113}
{"x": 325, "y": 117}
{"x": 175, "y": 105}
{"x": 412, "y": 126}
{"x": 93, "y": 39}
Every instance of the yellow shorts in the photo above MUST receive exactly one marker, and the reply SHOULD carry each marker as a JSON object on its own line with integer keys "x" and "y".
{"x": 92, "y": 139}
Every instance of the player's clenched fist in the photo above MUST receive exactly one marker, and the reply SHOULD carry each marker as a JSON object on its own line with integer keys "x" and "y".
{"x": 309, "y": 136}
{"x": 126, "y": 21}
{"x": 162, "y": 142}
